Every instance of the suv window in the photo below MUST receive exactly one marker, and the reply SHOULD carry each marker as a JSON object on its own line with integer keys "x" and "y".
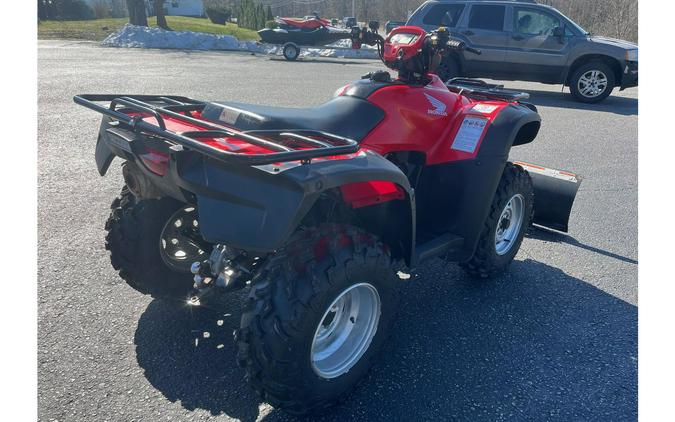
{"x": 444, "y": 15}
{"x": 535, "y": 22}
{"x": 487, "y": 16}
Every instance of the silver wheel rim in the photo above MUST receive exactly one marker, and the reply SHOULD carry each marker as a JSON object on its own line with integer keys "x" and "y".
{"x": 345, "y": 330}
{"x": 509, "y": 224}
{"x": 592, "y": 83}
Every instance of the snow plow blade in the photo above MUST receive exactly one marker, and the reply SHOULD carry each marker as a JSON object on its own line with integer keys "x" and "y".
{"x": 554, "y": 193}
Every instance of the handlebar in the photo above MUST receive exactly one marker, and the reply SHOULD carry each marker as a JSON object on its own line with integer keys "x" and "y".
{"x": 473, "y": 50}
{"x": 459, "y": 45}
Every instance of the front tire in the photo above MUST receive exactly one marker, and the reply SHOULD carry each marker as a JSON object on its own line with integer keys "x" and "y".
{"x": 139, "y": 237}
{"x": 506, "y": 224}
{"x": 592, "y": 82}
{"x": 290, "y": 342}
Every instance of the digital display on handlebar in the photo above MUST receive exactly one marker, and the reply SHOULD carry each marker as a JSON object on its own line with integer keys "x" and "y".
{"x": 403, "y": 38}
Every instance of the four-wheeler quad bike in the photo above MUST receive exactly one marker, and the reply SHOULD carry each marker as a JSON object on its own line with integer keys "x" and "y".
{"x": 313, "y": 209}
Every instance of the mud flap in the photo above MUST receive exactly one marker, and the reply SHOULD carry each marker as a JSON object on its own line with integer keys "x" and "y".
{"x": 554, "y": 193}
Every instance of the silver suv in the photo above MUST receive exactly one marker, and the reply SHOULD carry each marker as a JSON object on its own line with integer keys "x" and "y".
{"x": 523, "y": 40}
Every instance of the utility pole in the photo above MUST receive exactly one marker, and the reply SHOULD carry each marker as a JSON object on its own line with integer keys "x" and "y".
{"x": 353, "y": 10}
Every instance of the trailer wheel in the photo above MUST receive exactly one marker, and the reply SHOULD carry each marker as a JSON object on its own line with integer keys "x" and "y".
{"x": 320, "y": 311}
{"x": 148, "y": 248}
{"x": 291, "y": 51}
{"x": 506, "y": 224}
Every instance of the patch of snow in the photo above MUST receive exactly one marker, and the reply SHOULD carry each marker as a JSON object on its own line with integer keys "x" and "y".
{"x": 145, "y": 37}
{"x": 132, "y": 36}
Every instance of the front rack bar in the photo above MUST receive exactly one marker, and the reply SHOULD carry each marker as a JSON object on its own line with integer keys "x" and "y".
{"x": 172, "y": 107}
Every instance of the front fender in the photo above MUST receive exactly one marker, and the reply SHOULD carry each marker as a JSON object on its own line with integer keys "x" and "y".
{"x": 257, "y": 210}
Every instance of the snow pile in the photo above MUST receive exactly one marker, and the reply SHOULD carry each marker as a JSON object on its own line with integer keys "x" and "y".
{"x": 343, "y": 49}
{"x": 145, "y": 37}
{"x": 363, "y": 53}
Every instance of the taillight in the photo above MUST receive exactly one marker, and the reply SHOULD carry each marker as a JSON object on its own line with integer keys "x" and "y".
{"x": 156, "y": 161}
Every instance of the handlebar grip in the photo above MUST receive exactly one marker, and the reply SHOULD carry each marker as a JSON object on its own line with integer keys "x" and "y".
{"x": 460, "y": 45}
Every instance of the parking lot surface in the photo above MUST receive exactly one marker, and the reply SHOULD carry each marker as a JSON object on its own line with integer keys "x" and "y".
{"x": 553, "y": 339}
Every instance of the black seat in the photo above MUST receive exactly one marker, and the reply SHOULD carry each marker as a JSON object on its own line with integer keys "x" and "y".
{"x": 349, "y": 117}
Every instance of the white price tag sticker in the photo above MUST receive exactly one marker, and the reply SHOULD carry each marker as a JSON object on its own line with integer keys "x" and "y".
{"x": 469, "y": 134}
{"x": 484, "y": 108}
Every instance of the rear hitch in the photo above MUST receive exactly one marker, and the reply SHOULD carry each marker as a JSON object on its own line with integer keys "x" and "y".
{"x": 227, "y": 269}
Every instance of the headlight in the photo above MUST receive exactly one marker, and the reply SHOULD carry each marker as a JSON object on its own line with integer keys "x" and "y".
{"x": 632, "y": 55}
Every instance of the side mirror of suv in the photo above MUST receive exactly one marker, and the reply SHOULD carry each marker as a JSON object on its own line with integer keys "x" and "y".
{"x": 559, "y": 32}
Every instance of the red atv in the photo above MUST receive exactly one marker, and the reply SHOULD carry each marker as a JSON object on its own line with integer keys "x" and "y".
{"x": 314, "y": 210}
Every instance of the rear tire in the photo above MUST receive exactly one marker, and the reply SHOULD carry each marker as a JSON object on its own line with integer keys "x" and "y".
{"x": 592, "y": 82}
{"x": 506, "y": 224}
{"x": 287, "y": 318}
{"x": 134, "y": 231}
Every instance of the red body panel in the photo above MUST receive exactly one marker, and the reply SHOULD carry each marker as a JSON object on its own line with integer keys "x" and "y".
{"x": 425, "y": 119}
{"x": 306, "y": 24}
{"x": 407, "y": 47}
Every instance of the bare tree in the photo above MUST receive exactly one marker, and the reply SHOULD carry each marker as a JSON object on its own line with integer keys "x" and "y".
{"x": 161, "y": 17}
{"x": 137, "y": 14}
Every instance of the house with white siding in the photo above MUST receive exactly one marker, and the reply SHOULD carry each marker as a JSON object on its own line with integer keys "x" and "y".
{"x": 171, "y": 7}
{"x": 184, "y": 7}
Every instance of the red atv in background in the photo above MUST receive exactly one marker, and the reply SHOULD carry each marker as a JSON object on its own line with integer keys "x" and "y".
{"x": 313, "y": 209}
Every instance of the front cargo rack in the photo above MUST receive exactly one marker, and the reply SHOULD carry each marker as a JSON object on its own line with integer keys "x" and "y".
{"x": 480, "y": 89}
{"x": 285, "y": 145}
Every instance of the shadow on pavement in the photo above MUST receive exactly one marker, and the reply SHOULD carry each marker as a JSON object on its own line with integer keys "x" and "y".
{"x": 542, "y": 233}
{"x": 533, "y": 344}
{"x": 619, "y": 105}
{"x": 332, "y": 60}
{"x": 199, "y": 377}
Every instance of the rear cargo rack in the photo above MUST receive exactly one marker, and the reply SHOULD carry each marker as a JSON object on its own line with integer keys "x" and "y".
{"x": 287, "y": 145}
{"x": 476, "y": 88}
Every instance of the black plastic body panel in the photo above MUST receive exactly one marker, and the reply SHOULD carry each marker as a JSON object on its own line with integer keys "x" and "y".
{"x": 455, "y": 197}
{"x": 252, "y": 209}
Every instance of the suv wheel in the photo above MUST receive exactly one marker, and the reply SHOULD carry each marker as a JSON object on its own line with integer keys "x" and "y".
{"x": 592, "y": 82}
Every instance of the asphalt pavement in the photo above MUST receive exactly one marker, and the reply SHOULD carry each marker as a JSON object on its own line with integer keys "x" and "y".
{"x": 553, "y": 339}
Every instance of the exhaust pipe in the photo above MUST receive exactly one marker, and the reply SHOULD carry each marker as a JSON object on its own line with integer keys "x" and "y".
{"x": 554, "y": 193}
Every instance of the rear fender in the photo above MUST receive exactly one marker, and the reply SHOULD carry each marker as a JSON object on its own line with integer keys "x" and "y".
{"x": 257, "y": 208}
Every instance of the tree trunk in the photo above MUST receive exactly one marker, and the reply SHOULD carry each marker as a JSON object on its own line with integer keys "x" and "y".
{"x": 42, "y": 10}
{"x": 137, "y": 14}
{"x": 161, "y": 18}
